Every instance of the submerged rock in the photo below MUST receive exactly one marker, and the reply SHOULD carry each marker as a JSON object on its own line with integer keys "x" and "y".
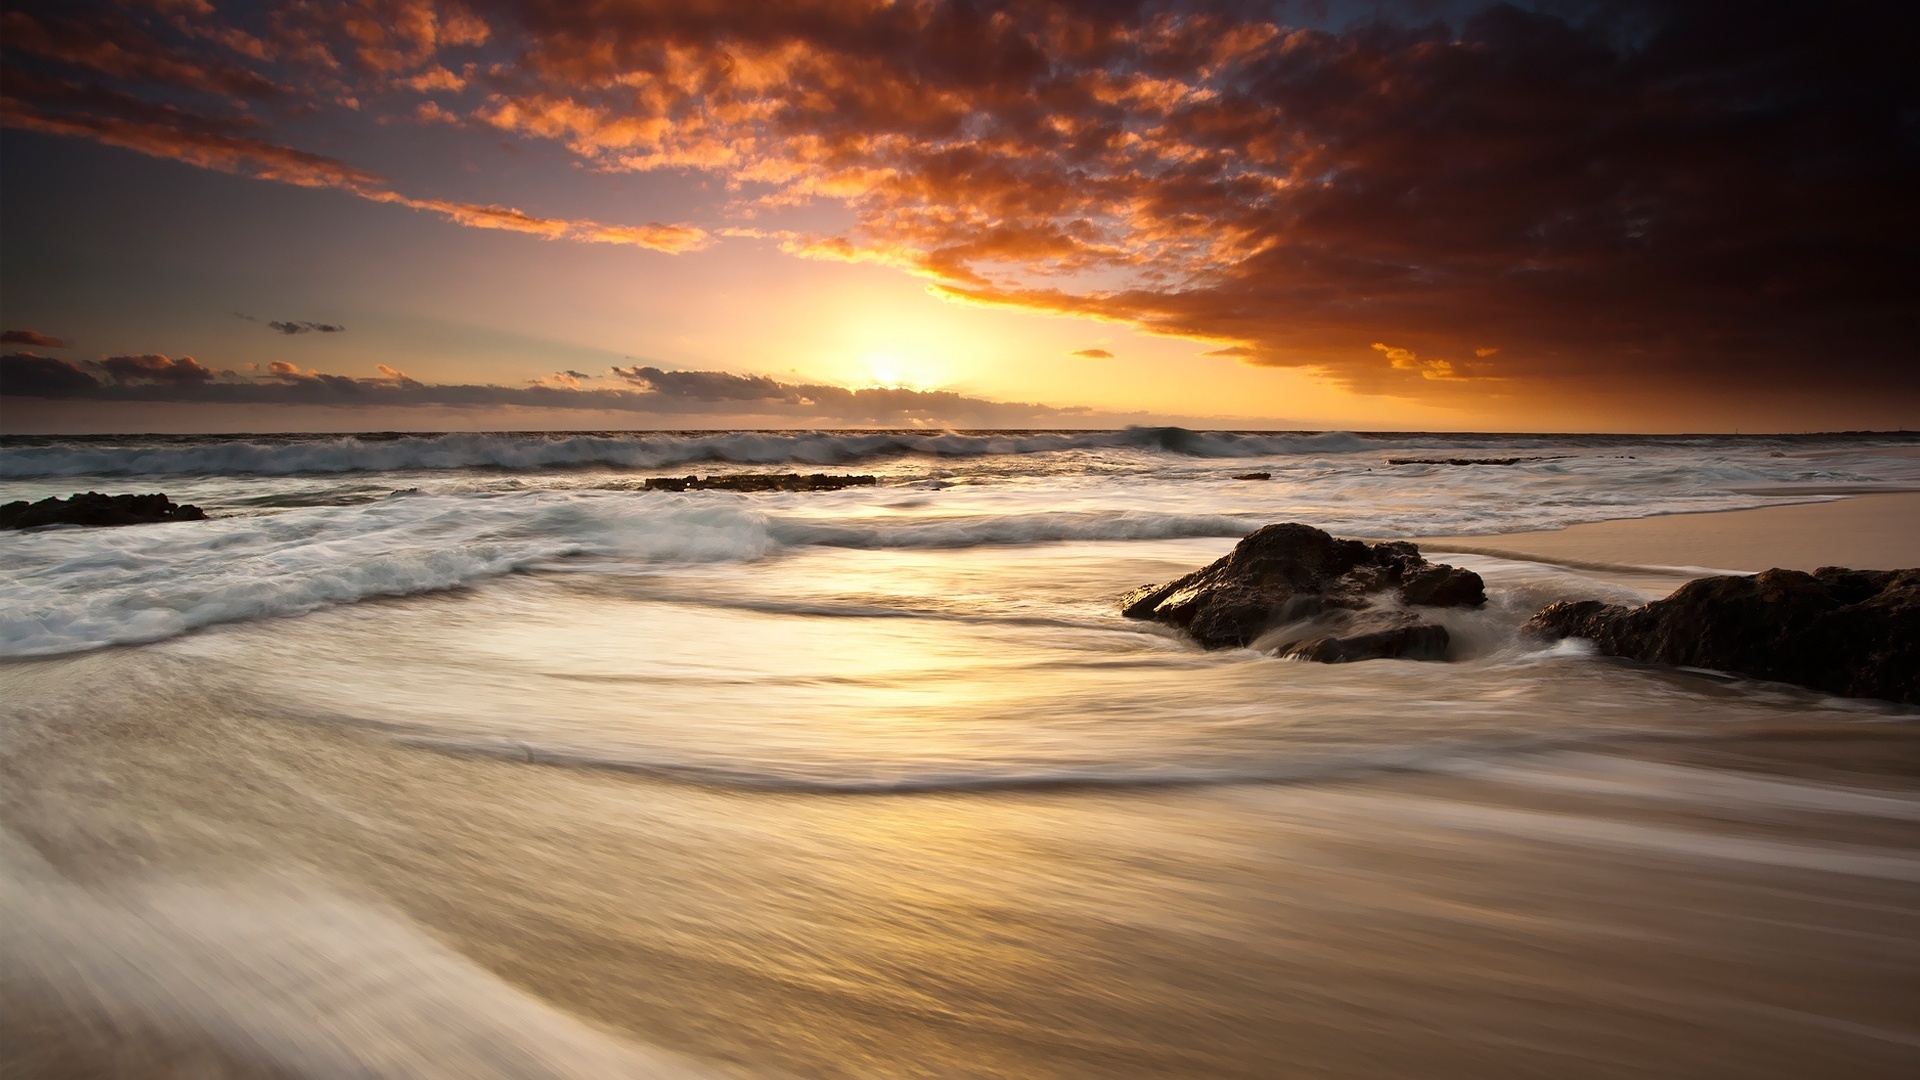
{"x": 1340, "y": 593}
{"x": 1375, "y": 634}
{"x": 758, "y": 482}
{"x": 1471, "y": 460}
{"x": 93, "y": 508}
{"x": 1849, "y": 632}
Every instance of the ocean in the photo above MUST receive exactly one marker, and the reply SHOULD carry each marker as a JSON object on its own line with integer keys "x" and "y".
{"x": 466, "y": 755}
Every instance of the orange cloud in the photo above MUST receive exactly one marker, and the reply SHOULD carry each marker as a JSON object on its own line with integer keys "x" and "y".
{"x": 265, "y": 161}
{"x": 434, "y": 78}
{"x": 1631, "y": 213}
{"x": 157, "y": 368}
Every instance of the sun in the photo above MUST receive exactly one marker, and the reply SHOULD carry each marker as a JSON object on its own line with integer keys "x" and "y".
{"x": 896, "y": 370}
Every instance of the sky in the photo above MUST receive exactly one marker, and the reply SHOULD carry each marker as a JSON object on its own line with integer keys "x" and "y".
{"x": 1564, "y": 215}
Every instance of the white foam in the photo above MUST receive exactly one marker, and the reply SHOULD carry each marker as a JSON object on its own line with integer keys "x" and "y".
{"x": 285, "y": 978}
{"x": 289, "y": 456}
{"x": 77, "y": 589}
{"x": 74, "y": 589}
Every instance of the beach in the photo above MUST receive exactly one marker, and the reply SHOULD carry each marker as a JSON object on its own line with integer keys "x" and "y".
{"x": 1864, "y": 531}
{"x": 879, "y": 784}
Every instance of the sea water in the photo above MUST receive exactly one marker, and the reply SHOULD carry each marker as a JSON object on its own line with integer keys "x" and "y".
{"x": 468, "y": 755}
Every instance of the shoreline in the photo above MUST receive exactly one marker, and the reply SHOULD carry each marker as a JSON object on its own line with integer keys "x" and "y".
{"x": 1863, "y": 532}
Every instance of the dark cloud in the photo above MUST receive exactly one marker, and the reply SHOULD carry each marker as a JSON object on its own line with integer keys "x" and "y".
{"x": 1093, "y": 354}
{"x": 1528, "y": 201}
{"x": 649, "y": 390}
{"x": 28, "y": 375}
{"x": 306, "y": 327}
{"x": 1632, "y": 194}
{"x": 156, "y": 368}
{"x": 702, "y": 385}
{"x": 190, "y": 86}
{"x": 106, "y": 42}
{"x": 31, "y": 337}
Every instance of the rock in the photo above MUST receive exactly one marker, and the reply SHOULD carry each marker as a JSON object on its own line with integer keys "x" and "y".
{"x": 1444, "y": 586}
{"x": 93, "y": 508}
{"x": 1284, "y": 574}
{"x": 1253, "y": 476}
{"x": 1849, "y": 632}
{"x": 1367, "y": 635}
{"x": 1471, "y": 460}
{"x": 758, "y": 482}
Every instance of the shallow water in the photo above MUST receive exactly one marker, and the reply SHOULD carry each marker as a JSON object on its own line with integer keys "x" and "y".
{"x": 549, "y": 777}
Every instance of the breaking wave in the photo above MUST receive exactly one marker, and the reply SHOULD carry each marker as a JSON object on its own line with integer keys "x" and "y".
{"x": 286, "y": 456}
{"x": 68, "y": 590}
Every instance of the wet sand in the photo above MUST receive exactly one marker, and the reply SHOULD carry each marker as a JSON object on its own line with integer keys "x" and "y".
{"x": 191, "y": 886}
{"x": 1878, "y": 532}
{"x": 303, "y": 896}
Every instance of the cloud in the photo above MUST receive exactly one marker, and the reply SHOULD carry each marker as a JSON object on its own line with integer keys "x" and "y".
{"x": 432, "y": 112}
{"x": 29, "y": 375}
{"x": 306, "y": 327}
{"x": 1093, "y": 354}
{"x": 1629, "y": 194}
{"x": 1407, "y": 360}
{"x": 703, "y": 385}
{"x": 156, "y": 368}
{"x": 120, "y": 48}
{"x": 78, "y": 50}
{"x": 246, "y": 156}
{"x": 432, "y": 79}
{"x": 1635, "y": 194}
{"x": 31, "y": 337}
{"x": 562, "y": 380}
{"x": 155, "y": 378}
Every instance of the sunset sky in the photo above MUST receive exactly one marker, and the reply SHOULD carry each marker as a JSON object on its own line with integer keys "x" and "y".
{"x": 411, "y": 214}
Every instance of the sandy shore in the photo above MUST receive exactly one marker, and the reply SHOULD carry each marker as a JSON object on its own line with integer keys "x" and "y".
{"x": 1865, "y": 532}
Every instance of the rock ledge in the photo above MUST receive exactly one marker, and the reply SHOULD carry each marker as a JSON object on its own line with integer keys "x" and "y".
{"x": 1343, "y": 599}
{"x": 758, "y": 482}
{"x": 1849, "y": 632}
{"x": 93, "y": 508}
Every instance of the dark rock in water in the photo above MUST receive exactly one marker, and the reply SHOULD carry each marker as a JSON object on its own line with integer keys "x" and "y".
{"x": 1288, "y": 573}
{"x": 1368, "y": 635}
{"x": 1850, "y": 632}
{"x": 1444, "y": 586}
{"x": 758, "y": 482}
{"x": 93, "y": 508}
{"x": 1464, "y": 460}
{"x": 1254, "y": 476}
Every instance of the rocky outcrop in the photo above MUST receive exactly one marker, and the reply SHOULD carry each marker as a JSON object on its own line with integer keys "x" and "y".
{"x": 1377, "y": 634}
{"x": 1340, "y": 600}
{"x": 93, "y": 508}
{"x": 1849, "y": 632}
{"x": 1470, "y": 461}
{"x": 758, "y": 482}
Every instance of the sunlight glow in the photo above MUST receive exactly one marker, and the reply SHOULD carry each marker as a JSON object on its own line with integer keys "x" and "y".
{"x": 899, "y": 370}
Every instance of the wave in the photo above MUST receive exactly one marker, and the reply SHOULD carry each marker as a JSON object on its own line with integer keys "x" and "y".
{"x": 1439, "y": 755}
{"x": 272, "y": 975}
{"x": 1572, "y": 761}
{"x": 522, "y": 452}
{"x": 68, "y": 590}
